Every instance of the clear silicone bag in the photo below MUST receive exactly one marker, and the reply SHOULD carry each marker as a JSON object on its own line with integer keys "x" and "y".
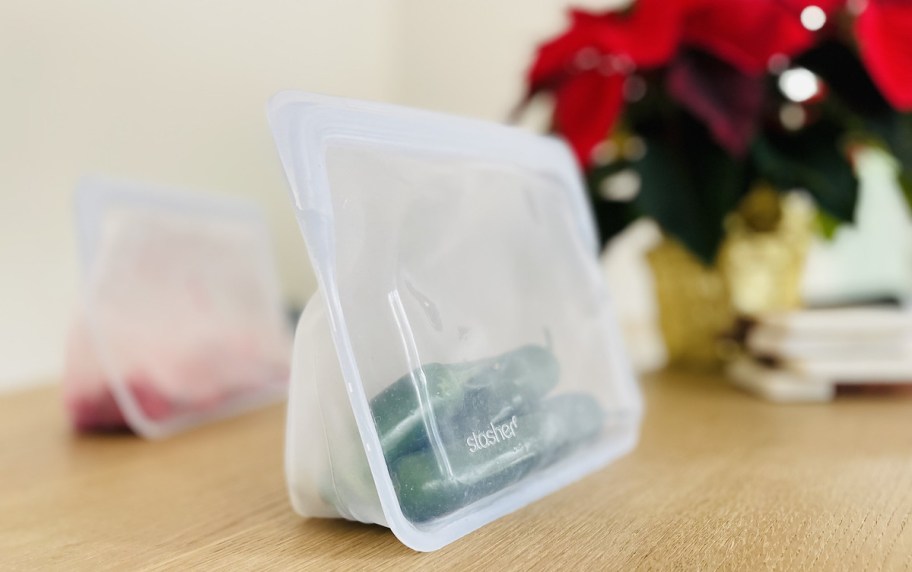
{"x": 460, "y": 358}
{"x": 181, "y": 321}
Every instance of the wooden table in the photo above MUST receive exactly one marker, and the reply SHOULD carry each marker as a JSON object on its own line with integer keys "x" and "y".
{"x": 721, "y": 480}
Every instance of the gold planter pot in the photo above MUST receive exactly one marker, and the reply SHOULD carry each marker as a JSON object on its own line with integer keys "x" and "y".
{"x": 759, "y": 269}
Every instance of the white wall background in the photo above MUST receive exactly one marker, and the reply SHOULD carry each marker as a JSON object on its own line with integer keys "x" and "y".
{"x": 173, "y": 92}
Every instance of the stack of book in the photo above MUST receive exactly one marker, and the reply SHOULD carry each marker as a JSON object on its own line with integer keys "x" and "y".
{"x": 807, "y": 355}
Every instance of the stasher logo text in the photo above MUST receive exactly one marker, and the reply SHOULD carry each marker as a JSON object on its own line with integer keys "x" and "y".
{"x": 492, "y": 436}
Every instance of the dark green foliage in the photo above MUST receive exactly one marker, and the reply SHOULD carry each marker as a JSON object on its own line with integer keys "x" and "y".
{"x": 812, "y": 159}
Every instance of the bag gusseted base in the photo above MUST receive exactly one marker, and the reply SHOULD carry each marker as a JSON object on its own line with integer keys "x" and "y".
{"x": 460, "y": 358}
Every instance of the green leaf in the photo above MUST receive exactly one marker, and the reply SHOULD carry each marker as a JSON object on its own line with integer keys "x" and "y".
{"x": 811, "y": 159}
{"x": 896, "y": 132}
{"x": 905, "y": 183}
{"x": 827, "y": 225}
{"x": 611, "y": 217}
{"x": 846, "y": 76}
{"x": 689, "y": 184}
{"x": 861, "y": 103}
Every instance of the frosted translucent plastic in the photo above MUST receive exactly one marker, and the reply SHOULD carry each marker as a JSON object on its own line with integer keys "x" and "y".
{"x": 458, "y": 276}
{"x": 181, "y": 320}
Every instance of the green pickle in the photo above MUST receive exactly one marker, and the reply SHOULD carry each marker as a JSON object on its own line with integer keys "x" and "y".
{"x": 499, "y": 428}
{"x": 491, "y": 388}
{"x": 427, "y": 490}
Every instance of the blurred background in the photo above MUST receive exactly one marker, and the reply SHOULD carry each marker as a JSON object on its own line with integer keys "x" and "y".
{"x": 174, "y": 93}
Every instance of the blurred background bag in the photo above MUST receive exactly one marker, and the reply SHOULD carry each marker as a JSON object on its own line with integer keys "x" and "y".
{"x": 181, "y": 320}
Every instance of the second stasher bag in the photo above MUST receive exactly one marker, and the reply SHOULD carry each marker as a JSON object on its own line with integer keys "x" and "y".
{"x": 460, "y": 358}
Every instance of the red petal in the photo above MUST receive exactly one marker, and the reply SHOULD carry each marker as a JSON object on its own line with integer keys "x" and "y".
{"x": 884, "y": 31}
{"x": 728, "y": 101}
{"x": 586, "y": 110}
{"x": 648, "y": 33}
{"x": 746, "y": 33}
{"x": 554, "y": 61}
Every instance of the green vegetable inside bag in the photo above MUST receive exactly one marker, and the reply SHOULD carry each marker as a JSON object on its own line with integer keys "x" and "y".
{"x": 427, "y": 490}
{"x": 500, "y": 427}
{"x": 491, "y": 389}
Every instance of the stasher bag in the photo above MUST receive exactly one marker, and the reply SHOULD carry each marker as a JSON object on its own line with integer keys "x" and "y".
{"x": 181, "y": 320}
{"x": 460, "y": 358}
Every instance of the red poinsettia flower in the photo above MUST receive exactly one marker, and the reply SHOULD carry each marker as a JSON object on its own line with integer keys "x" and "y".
{"x": 586, "y": 67}
{"x": 746, "y": 33}
{"x": 883, "y": 30}
{"x": 728, "y": 101}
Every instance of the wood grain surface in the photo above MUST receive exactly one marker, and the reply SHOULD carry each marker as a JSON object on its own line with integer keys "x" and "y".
{"x": 720, "y": 481}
